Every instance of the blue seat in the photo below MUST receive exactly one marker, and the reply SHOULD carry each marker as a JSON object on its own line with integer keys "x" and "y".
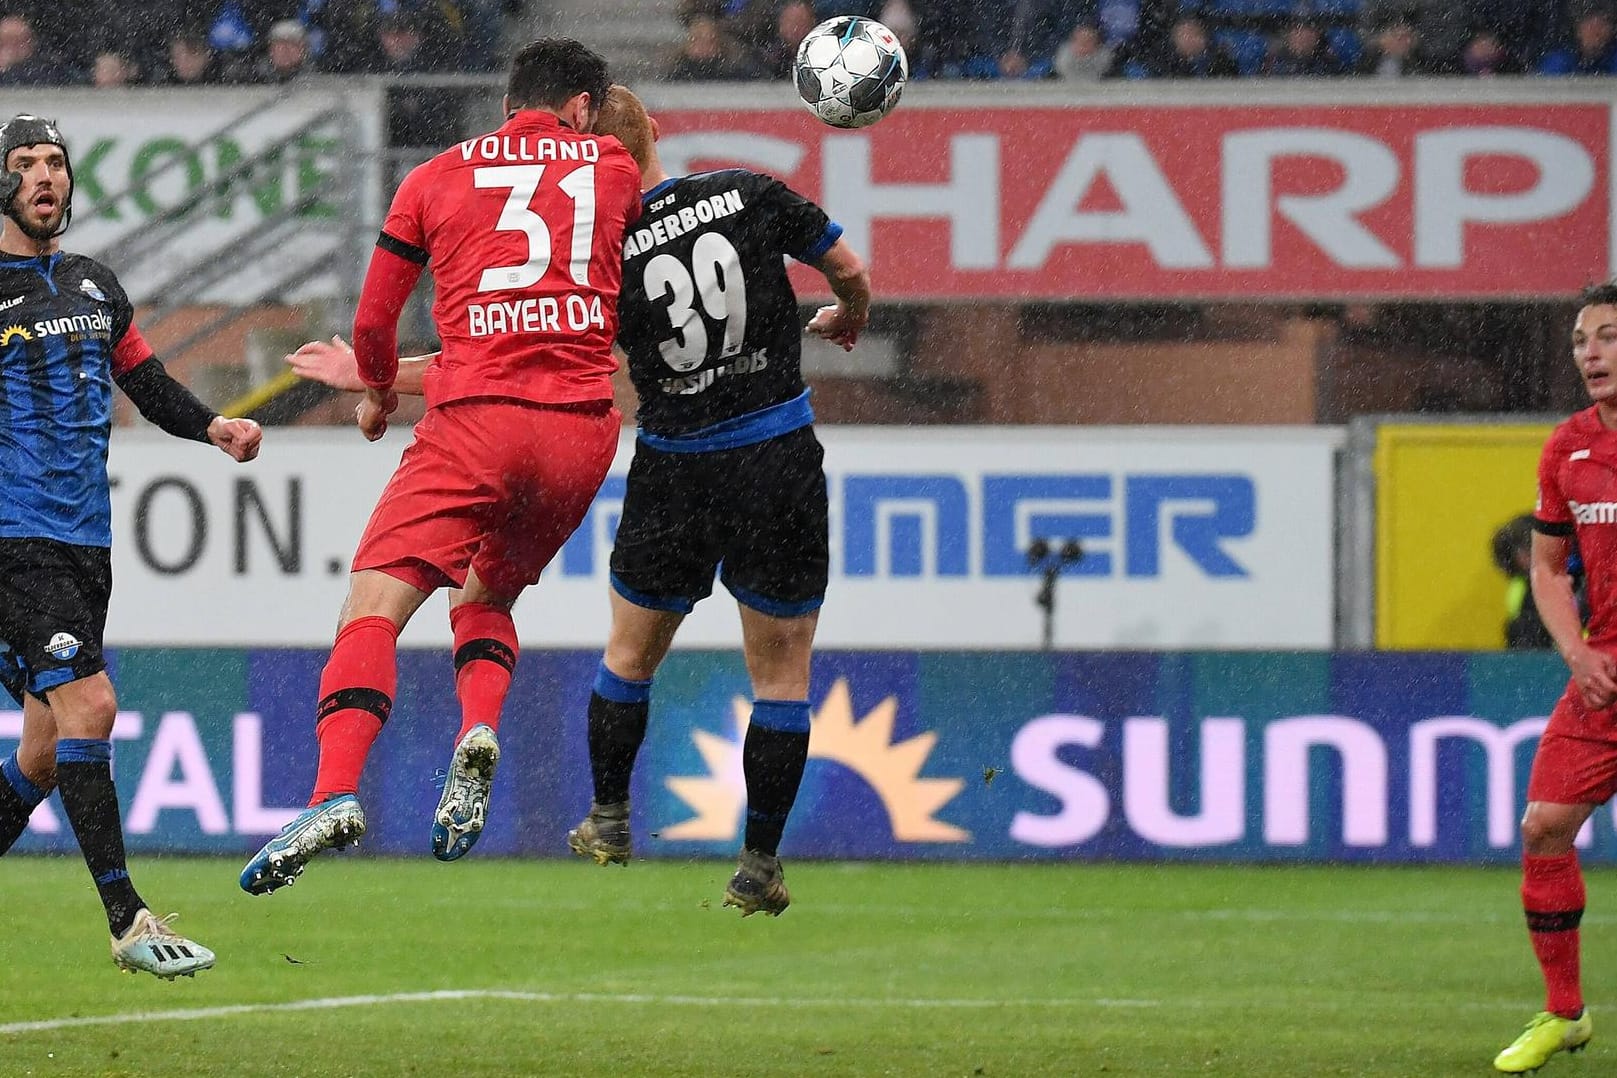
{"x": 1247, "y": 47}
{"x": 1250, "y": 8}
{"x": 1345, "y": 43}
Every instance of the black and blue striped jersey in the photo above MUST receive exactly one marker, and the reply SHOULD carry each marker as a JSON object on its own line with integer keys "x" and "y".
{"x": 707, "y": 316}
{"x": 66, "y": 331}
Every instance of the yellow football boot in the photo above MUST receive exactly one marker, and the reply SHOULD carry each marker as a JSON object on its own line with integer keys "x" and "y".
{"x": 1544, "y": 1036}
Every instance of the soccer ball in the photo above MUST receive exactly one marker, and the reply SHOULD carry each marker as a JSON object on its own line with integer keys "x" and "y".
{"x": 850, "y": 71}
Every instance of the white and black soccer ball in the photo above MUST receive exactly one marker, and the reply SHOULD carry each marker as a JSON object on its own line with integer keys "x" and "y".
{"x": 850, "y": 71}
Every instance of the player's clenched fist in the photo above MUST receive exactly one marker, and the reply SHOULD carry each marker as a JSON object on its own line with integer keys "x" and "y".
{"x": 838, "y": 324}
{"x": 1595, "y": 674}
{"x": 371, "y": 415}
{"x": 238, "y": 437}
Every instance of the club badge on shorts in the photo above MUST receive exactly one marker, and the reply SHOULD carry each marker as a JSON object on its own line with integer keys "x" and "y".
{"x": 63, "y": 646}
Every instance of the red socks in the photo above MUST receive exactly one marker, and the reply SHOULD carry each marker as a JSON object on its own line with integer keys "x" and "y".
{"x": 485, "y": 654}
{"x": 1553, "y": 896}
{"x": 356, "y": 695}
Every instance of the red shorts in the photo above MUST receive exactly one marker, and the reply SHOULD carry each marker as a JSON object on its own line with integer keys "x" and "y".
{"x": 489, "y": 484}
{"x": 1576, "y": 761}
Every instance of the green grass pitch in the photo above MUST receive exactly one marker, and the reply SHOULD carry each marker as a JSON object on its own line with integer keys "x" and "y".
{"x": 561, "y": 968}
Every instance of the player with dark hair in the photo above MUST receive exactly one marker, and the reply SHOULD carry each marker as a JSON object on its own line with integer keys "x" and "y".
{"x": 726, "y": 470}
{"x": 1575, "y": 765}
{"x": 66, "y": 337}
{"x": 523, "y": 228}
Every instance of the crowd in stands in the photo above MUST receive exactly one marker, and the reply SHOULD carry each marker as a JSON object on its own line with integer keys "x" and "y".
{"x": 196, "y": 42}
{"x": 1090, "y": 40}
{"x": 193, "y": 42}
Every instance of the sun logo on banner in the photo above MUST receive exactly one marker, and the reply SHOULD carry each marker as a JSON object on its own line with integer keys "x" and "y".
{"x": 11, "y": 333}
{"x": 864, "y": 746}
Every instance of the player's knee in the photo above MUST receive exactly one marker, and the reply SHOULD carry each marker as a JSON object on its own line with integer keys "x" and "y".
{"x": 97, "y": 704}
{"x": 37, "y": 762}
{"x": 1547, "y": 833}
{"x": 632, "y": 660}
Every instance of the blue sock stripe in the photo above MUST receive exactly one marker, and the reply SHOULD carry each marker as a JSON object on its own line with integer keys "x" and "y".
{"x": 621, "y": 690}
{"x": 84, "y": 750}
{"x": 111, "y": 877}
{"x": 31, "y": 795}
{"x": 787, "y": 716}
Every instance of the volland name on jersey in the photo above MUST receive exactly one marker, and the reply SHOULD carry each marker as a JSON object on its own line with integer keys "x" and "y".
{"x": 525, "y": 148}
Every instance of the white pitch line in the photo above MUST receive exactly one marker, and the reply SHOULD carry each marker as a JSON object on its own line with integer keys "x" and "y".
{"x": 197, "y": 1014}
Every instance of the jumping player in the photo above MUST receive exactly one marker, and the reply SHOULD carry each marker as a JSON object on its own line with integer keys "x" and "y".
{"x": 1575, "y": 766}
{"x": 523, "y": 229}
{"x": 726, "y": 469}
{"x": 68, "y": 336}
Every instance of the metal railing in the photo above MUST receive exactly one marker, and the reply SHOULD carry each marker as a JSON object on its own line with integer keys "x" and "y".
{"x": 177, "y": 268}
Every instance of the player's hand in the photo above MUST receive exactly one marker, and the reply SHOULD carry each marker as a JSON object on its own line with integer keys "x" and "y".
{"x": 1594, "y": 672}
{"x": 330, "y": 363}
{"x": 838, "y": 325}
{"x": 238, "y": 437}
{"x": 371, "y": 415}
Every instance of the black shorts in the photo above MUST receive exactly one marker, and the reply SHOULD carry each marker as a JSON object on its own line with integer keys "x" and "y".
{"x": 760, "y": 510}
{"x": 53, "y": 613}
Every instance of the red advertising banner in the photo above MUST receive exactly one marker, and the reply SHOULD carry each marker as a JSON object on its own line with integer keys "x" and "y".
{"x": 1188, "y": 201}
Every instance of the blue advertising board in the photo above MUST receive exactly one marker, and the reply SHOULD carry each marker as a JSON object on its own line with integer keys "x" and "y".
{"x": 1235, "y": 756}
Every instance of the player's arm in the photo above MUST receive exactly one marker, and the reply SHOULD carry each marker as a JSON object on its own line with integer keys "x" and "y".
{"x": 1593, "y": 671}
{"x": 804, "y": 231}
{"x": 396, "y": 265}
{"x": 845, "y": 272}
{"x": 395, "y": 268}
{"x": 332, "y": 363}
{"x": 171, "y": 406}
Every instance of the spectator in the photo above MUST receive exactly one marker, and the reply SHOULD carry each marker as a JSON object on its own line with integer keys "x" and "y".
{"x": 1302, "y": 51}
{"x": 478, "y": 42}
{"x": 399, "y": 45}
{"x": 1529, "y": 29}
{"x": 691, "y": 10}
{"x": 1512, "y": 548}
{"x": 949, "y": 35}
{"x": 240, "y": 25}
{"x": 19, "y": 63}
{"x": 1084, "y": 56}
{"x": 286, "y": 55}
{"x": 343, "y": 33}
{"x": 1592, "y": 52}
{"x": 795, "y": 20}
{"x": 417, "y": 115}
{"x": 192, "y": 61}
{"x": 900, "y": 18}
{"x": 1484, "y": 55}
{"x": 1191, "y": 54}
{"x": 1395, "y": 52}
{"x": 112, "y": 69}
{"x": 1023, "y": 37}
{"x": 707, "y": 54}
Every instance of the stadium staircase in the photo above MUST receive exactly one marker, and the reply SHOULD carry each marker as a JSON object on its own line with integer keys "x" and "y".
{"x": 216, "y": 312}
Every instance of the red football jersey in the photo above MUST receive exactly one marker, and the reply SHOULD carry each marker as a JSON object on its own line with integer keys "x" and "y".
{"x": 1577, "y": 493}
{"x": 523, "y": 232}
